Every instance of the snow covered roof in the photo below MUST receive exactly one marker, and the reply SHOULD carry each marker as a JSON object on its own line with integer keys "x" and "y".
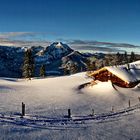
{"x": 123, "y": 73}
{"x": 128, "y": 75}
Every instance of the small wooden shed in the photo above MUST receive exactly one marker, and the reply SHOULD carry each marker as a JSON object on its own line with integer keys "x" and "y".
{"x": 120, "y": 76}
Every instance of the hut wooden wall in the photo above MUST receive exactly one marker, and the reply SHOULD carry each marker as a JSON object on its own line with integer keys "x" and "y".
{"x": 105, "y": 75}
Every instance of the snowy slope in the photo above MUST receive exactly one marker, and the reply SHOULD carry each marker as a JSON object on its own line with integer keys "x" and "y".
{"x": 49, "y": 99}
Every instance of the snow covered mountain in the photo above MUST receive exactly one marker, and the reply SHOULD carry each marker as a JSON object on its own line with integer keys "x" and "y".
{"x": 53, "y": 52}
{"x": 77, "y": 58}
{"x": 11, "y": 59}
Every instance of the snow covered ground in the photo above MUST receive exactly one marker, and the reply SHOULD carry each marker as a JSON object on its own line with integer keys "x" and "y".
{"x": 48, "y": 99}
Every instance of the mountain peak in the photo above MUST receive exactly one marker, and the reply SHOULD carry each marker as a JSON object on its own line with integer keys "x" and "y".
{"x": 59, "y": 44}
{"x": 59, "y": 47}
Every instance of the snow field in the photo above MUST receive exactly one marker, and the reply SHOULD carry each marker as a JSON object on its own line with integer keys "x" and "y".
{"x": 51, "y": 97}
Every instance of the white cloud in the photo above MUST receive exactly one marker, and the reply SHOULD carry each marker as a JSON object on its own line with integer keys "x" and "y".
{"x": 18, "y": 39}
{"x": 7, "y": 35}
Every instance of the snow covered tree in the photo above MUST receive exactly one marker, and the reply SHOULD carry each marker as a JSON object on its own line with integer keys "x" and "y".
{"x": 66, "y": 70}
{"x": 125, "y": 57}
{"x": 73, "y": 68}
{"x": 28, "y": 65}
{"x": 102, "y": 64}
{"x": 118, "y": 58}
{"x": 132, "y": 57}
{"x": 106, "y": 62}
{"x": 43, "y": 71}
{"x": 90, "y": 65}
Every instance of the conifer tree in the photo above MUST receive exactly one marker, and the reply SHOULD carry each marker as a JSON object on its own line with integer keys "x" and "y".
{"x": 132, "y": 57}
{"x": 73, "y": 68}
{"x": 43, "y": 71}
{"x": 66, "y": 70}
{"x": 28, "y": 65}
{"x": 102, "y": 64}
{"x": 125, "y": 57}
{"x": 106, "y": 62}
{"x": 90, "y": 65}
{"x": 118, "y": 58}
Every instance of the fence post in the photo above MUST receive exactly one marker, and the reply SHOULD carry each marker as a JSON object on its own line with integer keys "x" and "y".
{"x": 139, "y": 99}
{"x": 129, "y": 103}
{"x": 92, "y": 113}
{"x": 112, "y": 109}
{"x": 69, "y": 113}
{"x": 23, "y": 109}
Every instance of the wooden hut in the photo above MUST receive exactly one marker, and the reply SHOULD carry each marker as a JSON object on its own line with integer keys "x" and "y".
{"x": 120, "y": 76}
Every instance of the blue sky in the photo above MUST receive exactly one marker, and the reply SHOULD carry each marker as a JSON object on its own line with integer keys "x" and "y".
{"x": 102, "y": 20}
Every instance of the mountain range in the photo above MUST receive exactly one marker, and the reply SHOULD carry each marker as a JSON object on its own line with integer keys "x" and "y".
{"x": 55, "y": 57}
{"x": 98, "y": 46}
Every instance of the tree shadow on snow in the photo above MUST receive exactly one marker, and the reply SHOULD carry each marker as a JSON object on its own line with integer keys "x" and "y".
{"x": 10, "y": 79}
